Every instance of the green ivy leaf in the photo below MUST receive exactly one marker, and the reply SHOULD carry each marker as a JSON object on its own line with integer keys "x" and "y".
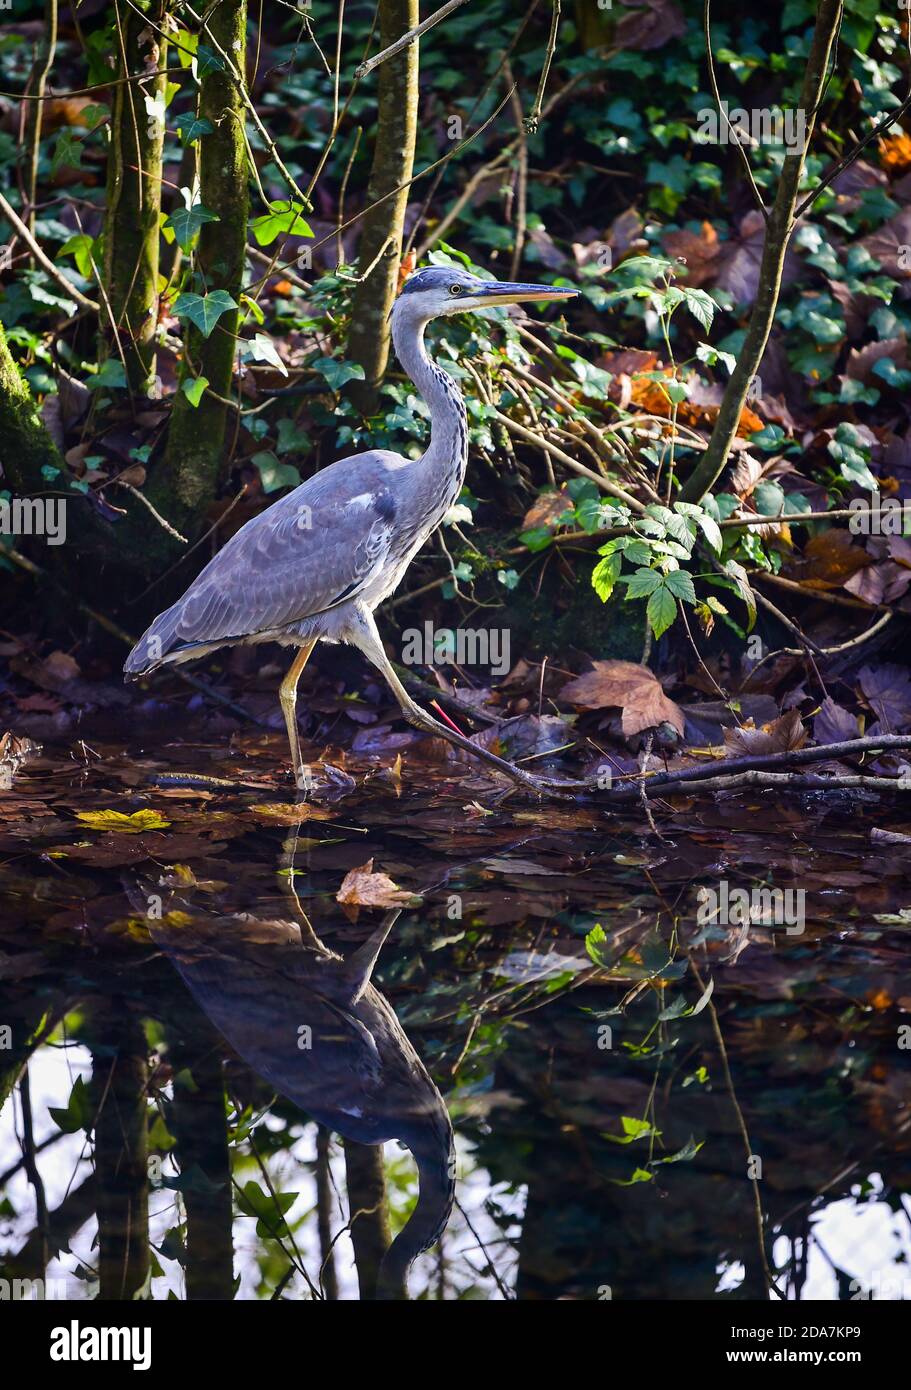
{"x": 192, "y": 127}
{"x": 274, "y": 475}
{"x": 186, "y": 222}
{"x": 193, "y": 388}
{"x": 67, "y": 152}
{"x": 204, "y": 310}
{"x": 80, "y": 248}
{"x": 110, "y": 375}
{"x": 283, "y": 219}
{"x": 336, "y": 373}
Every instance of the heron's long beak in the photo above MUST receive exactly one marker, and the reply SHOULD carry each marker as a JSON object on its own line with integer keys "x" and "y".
{"x": 502, "y": 292}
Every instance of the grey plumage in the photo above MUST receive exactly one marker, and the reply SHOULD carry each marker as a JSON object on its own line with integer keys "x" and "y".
{"x": 316, "y": 564}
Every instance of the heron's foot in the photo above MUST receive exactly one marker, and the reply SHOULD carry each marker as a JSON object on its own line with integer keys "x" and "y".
{"x": 528, "y": 781}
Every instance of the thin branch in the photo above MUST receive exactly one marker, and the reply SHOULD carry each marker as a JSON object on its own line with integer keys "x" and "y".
{"x": 779, "y": 229}
{"x": 713, "y": 82}
{"x": 53, "y": 270}
{"x": 409, "y": 38}
{"x": 533, "y": 118}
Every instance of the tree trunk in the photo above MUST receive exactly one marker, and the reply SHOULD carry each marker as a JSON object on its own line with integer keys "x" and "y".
{"x": 196, "y": 437}
{"x": 381, "y": 236}
{"x": 27, "y": 446}
{"x": 131, "y": 230}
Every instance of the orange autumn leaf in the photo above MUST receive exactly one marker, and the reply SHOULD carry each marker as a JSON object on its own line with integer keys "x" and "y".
{"x": 895, "y": 152}
{"x": 407, "y": 265}
{"x": 650, "y": 395}
{"x": 880, "y": 1000}
{"x": 282, "y": 287}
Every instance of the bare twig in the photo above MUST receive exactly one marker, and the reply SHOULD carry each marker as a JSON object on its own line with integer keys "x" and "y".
{"x": 53, "y": 270}
{"x": 409, "y": 38}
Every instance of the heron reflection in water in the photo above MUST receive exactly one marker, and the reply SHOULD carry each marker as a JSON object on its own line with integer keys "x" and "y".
{"x": 260, "y": 981}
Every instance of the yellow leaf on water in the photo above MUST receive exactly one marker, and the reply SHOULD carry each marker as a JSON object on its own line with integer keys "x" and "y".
{"x": 133, "y": 824}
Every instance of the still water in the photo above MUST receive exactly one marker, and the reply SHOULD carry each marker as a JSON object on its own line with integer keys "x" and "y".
{"x": 639, "y": 1092}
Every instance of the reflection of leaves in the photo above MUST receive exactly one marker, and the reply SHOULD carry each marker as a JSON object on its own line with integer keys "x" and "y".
{"x": 689, "y": 1150}
{"x": 632, "y": 1130}
{"x": 268, "y": 1208}
{"x": 78, "y": 1112}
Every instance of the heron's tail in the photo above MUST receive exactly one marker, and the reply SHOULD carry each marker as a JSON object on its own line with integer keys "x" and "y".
{"x": 153, "y": 646}
{"x": 434, "y": 1153}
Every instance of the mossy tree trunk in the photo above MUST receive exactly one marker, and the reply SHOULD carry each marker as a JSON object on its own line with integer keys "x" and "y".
{"x": 25, "y": 445}
{"x": 381, "y": 235}
{"x": 196, "y": 438}
{"x": 131, "y": 230}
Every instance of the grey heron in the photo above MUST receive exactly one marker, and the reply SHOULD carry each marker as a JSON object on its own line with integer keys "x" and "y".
{"x": 315, "y": 565}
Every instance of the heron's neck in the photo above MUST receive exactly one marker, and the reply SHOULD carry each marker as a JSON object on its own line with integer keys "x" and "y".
{"x": 447, "y": 454}
{"x": 432, "y": 1145}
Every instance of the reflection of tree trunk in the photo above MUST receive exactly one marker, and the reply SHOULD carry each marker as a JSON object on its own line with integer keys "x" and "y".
{"x": 324, "y": 1214}
{"x": 199, "y": 1124}
{"x": 31, "y": 1166}
{"x": 381, "y": 236}
{"x": 120, "y": 1082}
{"x": 369, "y": 1211}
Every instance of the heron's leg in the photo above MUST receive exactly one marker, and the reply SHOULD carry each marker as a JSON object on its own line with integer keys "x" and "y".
{"x": 288, "y": 696}
{"x": 367, "y": 638}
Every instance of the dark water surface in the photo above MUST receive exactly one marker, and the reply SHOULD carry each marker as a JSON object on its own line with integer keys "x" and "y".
{"x": 611, "y": 1141}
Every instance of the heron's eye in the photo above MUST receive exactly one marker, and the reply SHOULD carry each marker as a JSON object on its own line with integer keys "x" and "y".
{"x": 455, "y": 289}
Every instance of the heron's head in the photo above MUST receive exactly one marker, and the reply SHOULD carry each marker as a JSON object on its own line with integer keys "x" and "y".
{"x": 443, "y": 290}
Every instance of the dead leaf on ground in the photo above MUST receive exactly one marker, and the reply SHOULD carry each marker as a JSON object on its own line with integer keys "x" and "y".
{"x": 547, "y": 510}
{"x": 780, "y": 736}
{"x": 833, "y": 723}
{"x": 698, "y": 250}
{"x": 887, "y": 690}
{"x": 635, "y": 689}
{"x": 829, "y": 559}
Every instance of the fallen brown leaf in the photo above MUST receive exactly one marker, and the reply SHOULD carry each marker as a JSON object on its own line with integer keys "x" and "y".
{"x": 634, "y": 688}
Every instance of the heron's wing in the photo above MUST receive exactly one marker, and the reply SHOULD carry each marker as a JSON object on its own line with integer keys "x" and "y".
{"x": 317, "y": 546}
